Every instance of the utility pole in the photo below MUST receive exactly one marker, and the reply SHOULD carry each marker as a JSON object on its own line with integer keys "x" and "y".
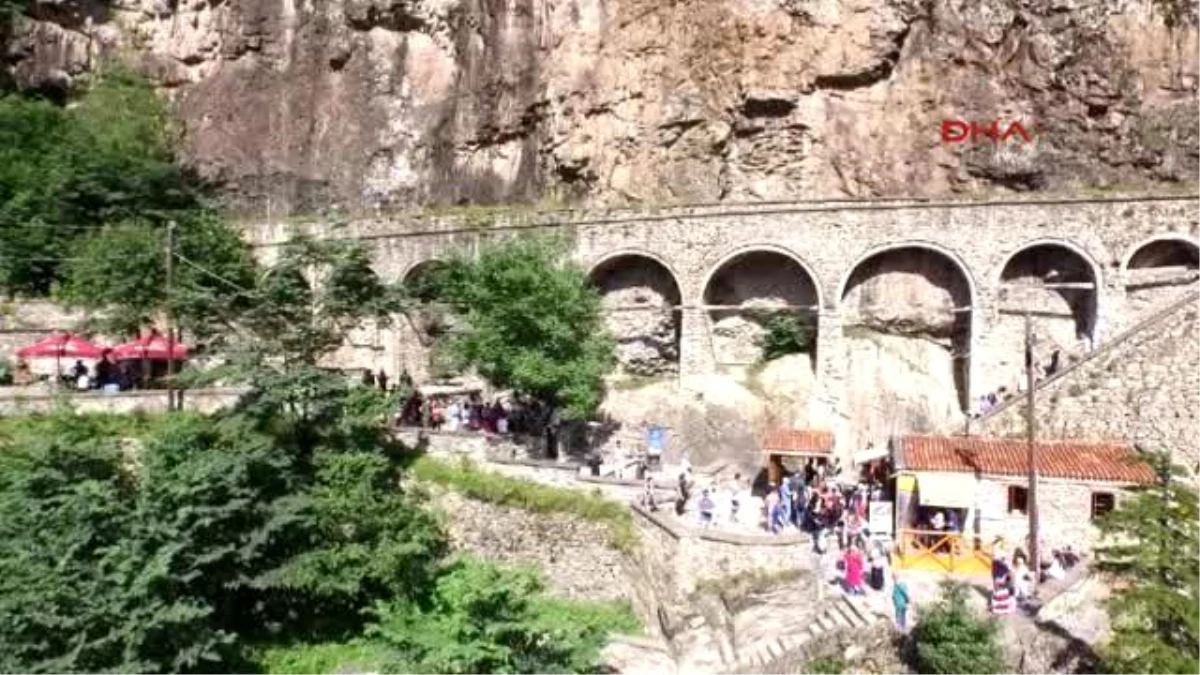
{"x": 1031, "y": 435}
{"x": 170, "y": 269}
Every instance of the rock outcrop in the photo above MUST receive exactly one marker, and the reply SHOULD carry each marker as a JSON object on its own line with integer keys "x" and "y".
{"x": 363, "y": 104}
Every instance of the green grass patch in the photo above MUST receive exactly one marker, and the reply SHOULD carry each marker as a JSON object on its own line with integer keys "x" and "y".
{"x": 487, "y": 486}
{"x": 614, "y": 616}
{"x": 358, "y": 656}
{"x": 825, "y": 665}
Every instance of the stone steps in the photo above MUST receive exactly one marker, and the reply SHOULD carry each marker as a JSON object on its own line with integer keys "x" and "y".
{"x": 842, "y": 613}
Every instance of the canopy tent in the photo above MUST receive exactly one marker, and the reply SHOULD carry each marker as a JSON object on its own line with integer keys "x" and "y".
{"x": 152, "y": 347}
{"x": 61, "y": 345}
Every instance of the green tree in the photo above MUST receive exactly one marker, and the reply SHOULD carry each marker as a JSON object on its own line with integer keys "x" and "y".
{"x": 106, "y": 159}
{"x": 952, "y": 639}
{"x": 529, "y": 323}
{"x": 79, "y": 591}
{"x": 120, "y": 270}
{"x": 487, "y": 619}
{"x": 785, "y": 334}
{"x": 1150, "y": 549}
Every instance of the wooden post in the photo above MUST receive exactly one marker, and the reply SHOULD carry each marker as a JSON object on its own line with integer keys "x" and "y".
{"x": 1031, "y": 436}
{"x": 170, "y": 269}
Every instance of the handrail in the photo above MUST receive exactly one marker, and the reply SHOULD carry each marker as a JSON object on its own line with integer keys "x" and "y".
{"x": 946, "y": 549}
{"x": 1103, "y": 349}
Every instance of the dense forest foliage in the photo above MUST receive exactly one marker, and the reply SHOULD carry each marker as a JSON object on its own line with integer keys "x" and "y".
{"x": 275, "y": 536}
{"x": 276, "y": 533}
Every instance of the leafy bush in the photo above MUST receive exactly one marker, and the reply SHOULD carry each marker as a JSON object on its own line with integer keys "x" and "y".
{"x": 487, "y": 619}
{"x": 220, "y": 532}
{"x": 951, "y": 639}
{"x": 494, "y": 488}
{"x": 784, "y": 334}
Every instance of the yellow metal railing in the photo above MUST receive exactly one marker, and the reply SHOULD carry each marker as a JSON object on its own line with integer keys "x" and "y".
{"x": 952, "y": 552}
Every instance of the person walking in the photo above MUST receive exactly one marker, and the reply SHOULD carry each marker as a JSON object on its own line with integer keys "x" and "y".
{"x": 853, "y": 560}
{"x": 900, "y": 602}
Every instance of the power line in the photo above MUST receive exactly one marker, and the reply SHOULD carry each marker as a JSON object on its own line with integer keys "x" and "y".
{"x": 212, "y": 274}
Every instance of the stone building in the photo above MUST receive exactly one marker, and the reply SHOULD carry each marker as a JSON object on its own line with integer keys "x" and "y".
{"x": 986, "y": 481}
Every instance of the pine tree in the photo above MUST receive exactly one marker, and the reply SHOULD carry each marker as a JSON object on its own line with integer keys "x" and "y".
{"x": 952, "y": 639}
{"x": 1150, "y": 551}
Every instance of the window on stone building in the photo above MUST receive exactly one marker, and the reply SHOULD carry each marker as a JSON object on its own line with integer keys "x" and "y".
{"x": 1018, "y": 499}
{"x": 1102, "y": 503}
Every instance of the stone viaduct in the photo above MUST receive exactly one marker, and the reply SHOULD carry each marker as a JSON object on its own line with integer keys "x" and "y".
{"x": 959, "y": 274}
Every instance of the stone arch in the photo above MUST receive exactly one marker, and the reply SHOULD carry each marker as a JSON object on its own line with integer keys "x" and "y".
{"x": 1174, "y": 258}
{"x": 427, "y": 320}
{"x": 1065, "y": 315}
{"x": 419, "y": 271}
{"x": 907, "y": 313}
{"x": 758, "y": 277}
{"x": 641, "y": 297}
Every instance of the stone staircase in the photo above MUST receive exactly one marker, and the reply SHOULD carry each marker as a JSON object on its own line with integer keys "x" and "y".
{"x": 1147, "y": 323}
{"x": 786, "y": 635}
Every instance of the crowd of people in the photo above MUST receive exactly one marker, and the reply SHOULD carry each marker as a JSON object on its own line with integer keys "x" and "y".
{"x": 107, "y": 374}
{"x": 1013, "y": 580}
{"x": 470, "y": 412}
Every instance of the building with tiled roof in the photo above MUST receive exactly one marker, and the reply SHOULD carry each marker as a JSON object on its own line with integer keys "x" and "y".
{"x": 1117, "y": 463}
{"x": 985, "y": 483}
{"x": 808, "y": 443}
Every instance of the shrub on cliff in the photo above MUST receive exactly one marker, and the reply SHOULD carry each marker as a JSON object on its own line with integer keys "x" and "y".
{"x": 1151, "y": 548}
{"x": 530, "y": 323}
{"x": 952, "y": 639}
{"x": 784, "y": 334}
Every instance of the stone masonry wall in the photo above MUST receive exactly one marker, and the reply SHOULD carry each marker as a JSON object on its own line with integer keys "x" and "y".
{"x": 1146, "y": 390}
{"x": 572, "y": 554}
{"x": 1064, "y": 511}
{"x": 830, "y": 241}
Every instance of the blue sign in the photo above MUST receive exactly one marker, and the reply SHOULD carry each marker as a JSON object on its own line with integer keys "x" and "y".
{"x": 656, "y": 438}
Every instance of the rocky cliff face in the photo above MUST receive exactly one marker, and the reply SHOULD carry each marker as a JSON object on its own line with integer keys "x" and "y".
{"x": 296, "y": 105}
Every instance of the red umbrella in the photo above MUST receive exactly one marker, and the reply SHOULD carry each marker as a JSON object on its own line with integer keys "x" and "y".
{"x": 62, "y": 345}
{"x": 153, "y": 347}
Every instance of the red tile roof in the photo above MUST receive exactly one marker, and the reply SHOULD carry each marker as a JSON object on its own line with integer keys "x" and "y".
{"x": 799, "y": 440}
{"x": 1056, "y": 459}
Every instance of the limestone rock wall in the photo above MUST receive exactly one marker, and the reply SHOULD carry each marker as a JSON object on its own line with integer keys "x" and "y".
{"x": 357, "y": 104}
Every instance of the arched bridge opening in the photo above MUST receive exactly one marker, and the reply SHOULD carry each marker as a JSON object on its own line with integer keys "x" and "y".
{"x": 1155, "y": 270}
{"x": 1055, "y": 286}
{"x": 762, "y": 304}
{"x": 641, "y": 300}
{"x": 428, "y": 319}
{"x": 907, "y": 327}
